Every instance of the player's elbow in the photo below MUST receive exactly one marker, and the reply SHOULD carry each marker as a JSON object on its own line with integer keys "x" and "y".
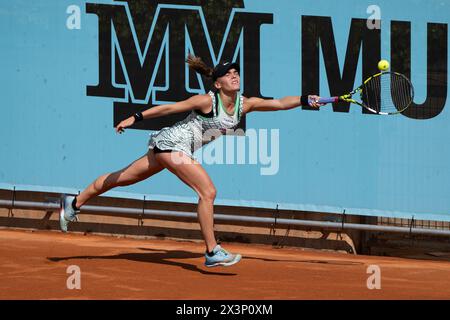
{"x": 281, "y": 106}
{"x": 276, "y": 105}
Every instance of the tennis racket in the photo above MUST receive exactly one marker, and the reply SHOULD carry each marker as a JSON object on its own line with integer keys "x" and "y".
{"x": 385, "y": 93}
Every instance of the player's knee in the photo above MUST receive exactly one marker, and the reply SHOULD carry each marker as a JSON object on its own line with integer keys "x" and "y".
{"x": 208, "y": 194}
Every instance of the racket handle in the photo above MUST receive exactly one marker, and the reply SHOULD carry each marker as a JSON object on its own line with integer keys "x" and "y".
{"x": 329, "y": 100}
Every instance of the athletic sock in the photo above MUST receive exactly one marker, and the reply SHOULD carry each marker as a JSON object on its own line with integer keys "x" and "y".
{"x": 74, "y": 204}
{"x": 210, "y": 254}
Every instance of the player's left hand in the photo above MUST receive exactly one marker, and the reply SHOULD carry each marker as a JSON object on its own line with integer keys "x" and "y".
{"x": 125, "y": 124}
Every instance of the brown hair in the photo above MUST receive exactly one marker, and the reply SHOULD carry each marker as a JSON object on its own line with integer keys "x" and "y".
{"x": 197, "y": 64}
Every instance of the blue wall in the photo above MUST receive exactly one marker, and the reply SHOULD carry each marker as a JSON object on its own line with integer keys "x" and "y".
{"x": 55, "y": 136}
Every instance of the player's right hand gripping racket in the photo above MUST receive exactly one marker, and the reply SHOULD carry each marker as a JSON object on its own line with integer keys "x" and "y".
{"x": 385, "y": 93}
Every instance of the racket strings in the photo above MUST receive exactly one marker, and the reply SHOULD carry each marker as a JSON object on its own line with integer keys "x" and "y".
{"x": 387, "y": 93}
{"x": 401, "y": 92}
{"x": 371, "y": 94}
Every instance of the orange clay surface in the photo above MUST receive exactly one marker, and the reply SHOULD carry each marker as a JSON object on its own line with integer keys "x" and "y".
{"x": 33, "y": 265}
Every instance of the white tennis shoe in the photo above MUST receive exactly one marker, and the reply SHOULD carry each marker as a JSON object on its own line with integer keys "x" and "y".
{"x": 221, "y": 257}
{"x": 66, "y": 213}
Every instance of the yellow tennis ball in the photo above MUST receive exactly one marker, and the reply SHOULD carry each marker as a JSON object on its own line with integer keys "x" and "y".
{"x": 383, "y": 65}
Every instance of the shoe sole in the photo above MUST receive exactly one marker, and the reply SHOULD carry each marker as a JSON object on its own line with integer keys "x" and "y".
{"x": 225, "y": 264}
{"x": 62, "y": 220}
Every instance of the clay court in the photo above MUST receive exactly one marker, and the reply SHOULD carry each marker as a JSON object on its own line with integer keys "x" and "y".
{"x": 34, "y": 266}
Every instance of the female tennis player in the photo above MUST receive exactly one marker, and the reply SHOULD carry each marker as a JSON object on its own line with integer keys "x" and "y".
{"x": 172, "y": 148}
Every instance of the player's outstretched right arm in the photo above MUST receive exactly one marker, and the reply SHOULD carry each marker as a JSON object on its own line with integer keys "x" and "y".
{"x": 201, "y": 102}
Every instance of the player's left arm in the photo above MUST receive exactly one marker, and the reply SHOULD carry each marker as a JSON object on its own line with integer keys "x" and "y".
{"x": 286, "y": 103}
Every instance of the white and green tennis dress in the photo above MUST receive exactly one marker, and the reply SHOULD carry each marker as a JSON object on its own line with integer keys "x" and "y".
{"x": 196, "y": 129}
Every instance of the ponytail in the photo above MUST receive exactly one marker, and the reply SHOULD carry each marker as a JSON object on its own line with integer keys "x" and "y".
{"x": 197, "y": 64}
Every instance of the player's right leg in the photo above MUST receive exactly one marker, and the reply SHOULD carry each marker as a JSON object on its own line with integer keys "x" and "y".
{"x": 194, "y": 175}
{"x": 139, "y": 170}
